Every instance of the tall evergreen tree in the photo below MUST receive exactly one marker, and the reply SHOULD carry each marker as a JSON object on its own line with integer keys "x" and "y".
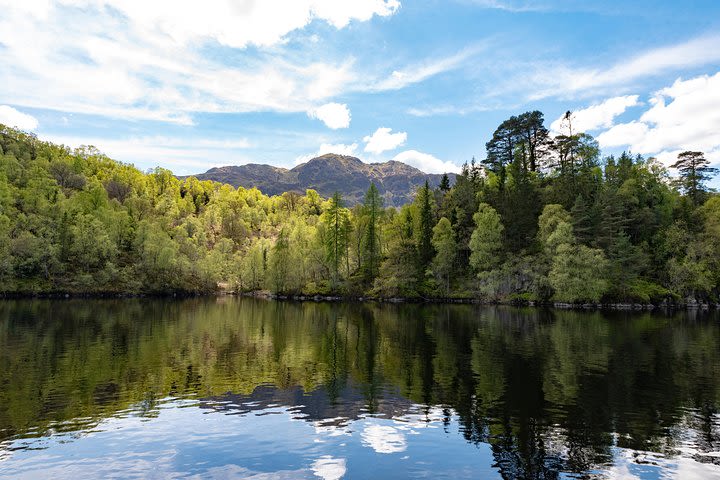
{"x": 694, "y": 171}
{"x": 444, "y": 183}
{"x": 426, "y": 251}
{"x": 372, "y": 209}
{"x": 337, "y": 240}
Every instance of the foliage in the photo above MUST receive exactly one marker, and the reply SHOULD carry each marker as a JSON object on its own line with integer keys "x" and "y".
{"x": 541, "y": 218}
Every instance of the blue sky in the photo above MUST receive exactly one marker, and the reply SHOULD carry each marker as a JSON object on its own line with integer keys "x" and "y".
{"x": 189, "y": 86}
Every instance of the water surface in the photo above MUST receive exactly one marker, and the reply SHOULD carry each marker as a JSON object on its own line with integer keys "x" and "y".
{"x": 244, "y": 388}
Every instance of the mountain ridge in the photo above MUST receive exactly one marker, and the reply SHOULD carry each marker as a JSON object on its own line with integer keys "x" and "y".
{"x": 396, "y": 181}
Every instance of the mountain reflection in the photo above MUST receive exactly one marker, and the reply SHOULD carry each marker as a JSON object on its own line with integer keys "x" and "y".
{"x": 548, "y": 391}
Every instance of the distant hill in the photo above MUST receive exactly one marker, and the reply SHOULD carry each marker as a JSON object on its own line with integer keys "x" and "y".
{"x": 396, "y": 181}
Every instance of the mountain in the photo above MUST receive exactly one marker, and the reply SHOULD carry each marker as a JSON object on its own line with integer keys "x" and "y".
{"x": 396, "y": 181}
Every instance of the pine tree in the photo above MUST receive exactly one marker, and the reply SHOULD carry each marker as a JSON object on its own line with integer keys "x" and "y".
{"x": 426, "y": 251}
{"x": 337, "y": 239}
{"x": 694, "y": 172}
{"x": 444, "y": 183}
{"x": 372, "y": 209}
{"x": 583, "y": 220}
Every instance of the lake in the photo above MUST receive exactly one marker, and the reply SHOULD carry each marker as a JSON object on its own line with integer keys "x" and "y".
{"x": 246, "y": 388}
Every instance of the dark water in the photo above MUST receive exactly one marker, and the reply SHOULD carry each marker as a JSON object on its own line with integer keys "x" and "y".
{"x": 233, "y": 388}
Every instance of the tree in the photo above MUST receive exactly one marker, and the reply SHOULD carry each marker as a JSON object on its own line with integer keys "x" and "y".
{"x": 425, "y": 248}
{"x": 444, "y": 242}
{"x": 552, "y": 216}
{"x": 694, "y": 171}
{"x": 444, "y": 183}
{"x": 91, "y": 245}
{"x": 337, "y": 242}
{"x": 372, "y": 210}
{"x": 486, "y": 241}
{"x": 535, "y": 139}
{"x": 280, "y": 263}
{"x": 578, "y": 273}
{"x": 398, "y": 272}
{"x": 253, "y": 266}
{"x": 461, "y": 204}
{"x": 525, "y": 134}
{"x": 500, "y": 148}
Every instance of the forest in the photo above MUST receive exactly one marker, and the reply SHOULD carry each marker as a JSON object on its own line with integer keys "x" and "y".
{"x": 544, "y": 218}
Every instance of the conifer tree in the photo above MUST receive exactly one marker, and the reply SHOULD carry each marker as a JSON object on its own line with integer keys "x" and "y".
{"x": 694, "y": 171}
{"x": 372, "y": 209}
{"x": 426, "y": 251}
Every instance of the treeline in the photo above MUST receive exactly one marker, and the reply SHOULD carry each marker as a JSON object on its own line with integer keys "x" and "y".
{"x": 542, "y": 218}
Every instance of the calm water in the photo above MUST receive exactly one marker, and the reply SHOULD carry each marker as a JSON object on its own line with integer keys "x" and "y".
{"x": 242, "y": 388}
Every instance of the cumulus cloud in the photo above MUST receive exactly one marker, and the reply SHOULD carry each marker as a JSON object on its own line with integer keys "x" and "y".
{"x": 333, "y": 115}
{"x": 149, "y": 61}
{"x": 384, "y": 439}
{"x": 16, "y": 119}
{"x": 231, "y": 23}
{"x": 382, "y": 140}
{"x": 338, "y": 148}
{"x": 684, "y": 116}
{"x": 426, "y": 162}
{"x": 596, "y": 116}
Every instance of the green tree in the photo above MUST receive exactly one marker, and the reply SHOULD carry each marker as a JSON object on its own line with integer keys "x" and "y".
{"x": 337, "y": 242}
{"x": 486, "y": 243}
{"x": 280, "y": 263}
{"x": 552, "y": 216}
{"x": 444, "y": 183}
{"x": 372, "y": 210}
{"x": 578, "y": 273}
{"x": 446, "y": 247}
{"x": 424, "y": 232}
{"x": 398, "y": 271}
{"x": 694, "y": 171}
{"x": 91, "y": 246}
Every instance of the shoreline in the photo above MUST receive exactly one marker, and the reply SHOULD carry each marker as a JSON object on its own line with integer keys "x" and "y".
{"x": 617, "y": 306}
{"x": 613, "y": 306}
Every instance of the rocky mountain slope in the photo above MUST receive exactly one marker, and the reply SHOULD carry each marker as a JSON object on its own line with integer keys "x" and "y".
{"x": 396, "y": 181}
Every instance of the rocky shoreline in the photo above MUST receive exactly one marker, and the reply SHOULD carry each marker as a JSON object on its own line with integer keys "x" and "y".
{"x": 475, "y": 301}
{"x": 620, "y": 306}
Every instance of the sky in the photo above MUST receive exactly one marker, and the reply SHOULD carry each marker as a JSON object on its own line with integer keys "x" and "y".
{"x": 190, "y": 85}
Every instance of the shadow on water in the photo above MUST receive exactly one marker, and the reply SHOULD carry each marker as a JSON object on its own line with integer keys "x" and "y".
{"x": 550, "y": 392}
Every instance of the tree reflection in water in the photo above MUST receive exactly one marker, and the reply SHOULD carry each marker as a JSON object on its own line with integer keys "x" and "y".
{"x": 548, "y": 391}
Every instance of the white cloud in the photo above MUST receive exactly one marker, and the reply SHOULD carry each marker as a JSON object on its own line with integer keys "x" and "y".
{"x": 684, "y": 116}
{"x": 329, "y": 468}
{"x": 382, "y": 140}
{"x": 181, "y": 155}
{"x": 426, "y": 162}
{"x": 596, "y": 116}
{"x": 333, "y": 115}
{"x": 512, "y": 5}
{"x": 561, "y": 80}
{"x": 338, "y": 148}
{"x": 13, "y": 118}
{"x": 149, "y": 60}
{"x": 231, "y": 23}
{"x": 417, "y": 73}
{"x": 384, "y": 439}
{"x": 623, "y": 134}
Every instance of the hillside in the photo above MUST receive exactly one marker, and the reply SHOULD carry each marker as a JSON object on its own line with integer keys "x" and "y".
{"x": 396, "y": 181}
